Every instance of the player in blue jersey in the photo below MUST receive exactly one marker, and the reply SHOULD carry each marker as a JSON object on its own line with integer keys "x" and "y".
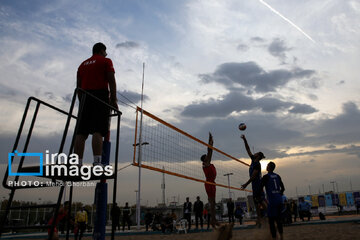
{"x": 255, "y": 180}
{"x": 274, "y": 188}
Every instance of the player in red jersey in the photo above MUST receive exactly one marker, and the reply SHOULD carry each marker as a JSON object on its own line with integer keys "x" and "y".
{"x": 96, "y": 75}
{"x": 210, "y": 174}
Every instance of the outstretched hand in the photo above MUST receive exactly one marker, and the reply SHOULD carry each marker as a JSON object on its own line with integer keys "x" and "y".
{"x": 211, "y": 141}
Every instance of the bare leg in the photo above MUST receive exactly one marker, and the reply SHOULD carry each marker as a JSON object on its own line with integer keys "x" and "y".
{"x": 259, "y": 207}
{"x": 213, "y": 212}
{"x": 97, "y": 142}
{"x": 79, "y": 145}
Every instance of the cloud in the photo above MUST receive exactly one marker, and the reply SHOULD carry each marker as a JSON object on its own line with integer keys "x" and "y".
{"x": 276, "y": 134}
{"x": 130, "y": 96}
{"x": 313, "y": 83}
{"x": 242, "y": 47}
{"x": 303, "y": 109}
{"x": 128, "y": 45}
{"x": 234, "y": 101}
{"x": 269, "y": 104}
{"x": 252, "y": 76}
{"x": 237, "y": 101}
{"x": 278, "y": 48}
{"x": 257, "y": 39}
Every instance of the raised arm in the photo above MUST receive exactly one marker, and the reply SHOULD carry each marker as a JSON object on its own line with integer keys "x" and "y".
{"x": 209, "y": 151}
{"x": 246, "y": 145}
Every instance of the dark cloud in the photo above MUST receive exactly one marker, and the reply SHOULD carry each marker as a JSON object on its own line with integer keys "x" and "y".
{"x": 130, "y": 96}
{"x": 269, "y": 104}
{"x": 278, "y": 49}
{"x": 234, "y": 101}
{"x": 273, "y": 133}
{"x": 237, "y": 101}
{"x": 339, "y": 130}
{"x": 128, "y": 45}
{"x": 341, "y": 82}
{"x": 345, "y": 125}
{"x": 302, "y": 109}
{"x": 257, "y": 39}
{"x": 252, "y": 76}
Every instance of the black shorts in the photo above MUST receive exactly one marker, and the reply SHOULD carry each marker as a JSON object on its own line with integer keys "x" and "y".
{"x": 94, "y": 115}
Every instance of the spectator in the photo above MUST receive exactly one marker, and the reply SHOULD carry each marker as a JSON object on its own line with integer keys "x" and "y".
{"x": 167, "y": 223}
{"x": 187, "y": 212}
{"x": 294, "y": 209}
{"x": 198, "y": 209}
{"x": 304, "y": 209}
{"x": 148, "y": 219}
{"x": 239, "y": 212}
{"x": 230, "y": 206}
{"x": 81, "y": 219}
{"x": 115, "y": 216}
{"x": 126, "y": 212}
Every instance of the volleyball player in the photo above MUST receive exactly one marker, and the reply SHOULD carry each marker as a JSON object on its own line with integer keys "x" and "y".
{"x": 210, "y": 174}
{"x": 255, "y": 180}
{"x": 274, "y": 193}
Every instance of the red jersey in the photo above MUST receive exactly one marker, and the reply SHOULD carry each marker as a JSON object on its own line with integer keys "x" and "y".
{"x": 210, "y": 173}
{"x": 92, "y": 72}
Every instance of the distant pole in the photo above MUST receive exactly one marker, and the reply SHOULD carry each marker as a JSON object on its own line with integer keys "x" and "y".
{"x": 309, "y": 190}
{"x": 350, "y": 185}
{"x": 337, "y": 187}
{"x": 163, "y": 187}
{"x": 323, "y": 188}
{"x": 333, "y": 183}
{"x": 228, "y": 176}
{"x": 138, "y": 208}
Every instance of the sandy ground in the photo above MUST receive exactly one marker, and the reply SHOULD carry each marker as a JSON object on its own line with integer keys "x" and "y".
{"x": 338, "y": 231}
{"x": 332, "y": 229}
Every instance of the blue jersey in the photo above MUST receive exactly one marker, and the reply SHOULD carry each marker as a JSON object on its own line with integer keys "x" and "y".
{"x": 274, "y": 191}
{"x": 274, "y": 187}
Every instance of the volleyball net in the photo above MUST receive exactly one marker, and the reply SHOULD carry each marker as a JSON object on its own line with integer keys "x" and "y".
{"x": 167, "y": 149}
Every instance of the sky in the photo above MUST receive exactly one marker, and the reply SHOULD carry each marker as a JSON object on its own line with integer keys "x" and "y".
{"x": 288, "y": 69}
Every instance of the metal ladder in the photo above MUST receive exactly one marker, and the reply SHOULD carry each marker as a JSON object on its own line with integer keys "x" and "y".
{"x": 4, "y": 224}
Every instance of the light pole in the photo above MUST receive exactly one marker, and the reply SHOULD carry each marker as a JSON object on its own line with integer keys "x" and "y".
{"x": 333, "y": 183}
{"x": 139, "y": 183}
{"x": 136, "y": 199}
{"x": 228, "y": 176}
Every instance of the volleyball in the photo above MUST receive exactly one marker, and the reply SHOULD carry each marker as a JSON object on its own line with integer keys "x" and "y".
{"x": 242, "y": 126}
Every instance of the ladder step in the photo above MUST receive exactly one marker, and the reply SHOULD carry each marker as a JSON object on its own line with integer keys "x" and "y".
{"x": 52, "y": 205}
